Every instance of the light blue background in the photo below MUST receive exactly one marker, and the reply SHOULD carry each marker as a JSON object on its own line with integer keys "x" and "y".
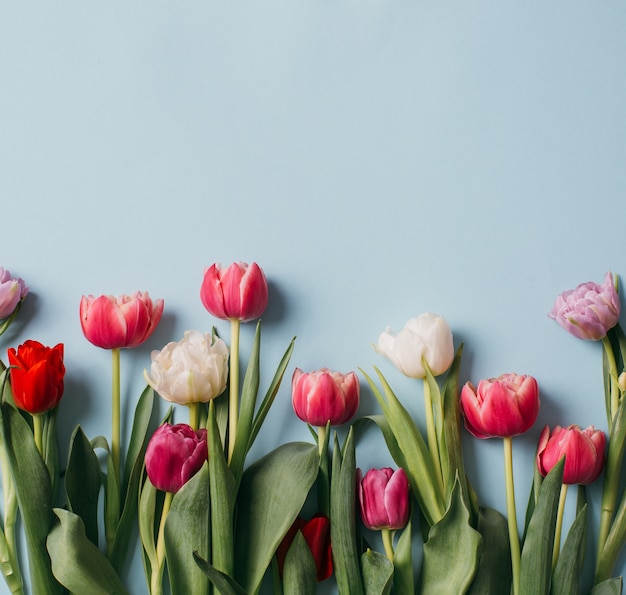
{"x": 378, "y": 158}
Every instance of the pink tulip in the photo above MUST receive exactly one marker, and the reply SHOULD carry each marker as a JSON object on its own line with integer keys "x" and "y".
{"x": 384, "y": 498}
{"x": 12, "y": 290}
{"x": 583, "y": 450}
{"x": 589, "y": 311}
{"x": 174, "y": 455}
{"x": 238, "y": 292}
{"x": 112, "y": 323}
{"x": 502, "y": 407}
{"x": 322, "y": 396}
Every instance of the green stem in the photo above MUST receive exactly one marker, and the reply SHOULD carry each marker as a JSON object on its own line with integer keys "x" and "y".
{"x": 156, "y": 580}
{"x": 115, "y": 410}
{"x": 433, "y": 445}
{"x": 321, "y": 438}
{"x": 559, "y": 526}
{"x": 194, "y": 411}
{"x": 10, "y": 519}
{"x": 38, "y": 433}
{"x": 387, "y": 536}
{"x": 233, "y": 403}
{"x": 511, "y": 512}
{"x": 613, "y": 378}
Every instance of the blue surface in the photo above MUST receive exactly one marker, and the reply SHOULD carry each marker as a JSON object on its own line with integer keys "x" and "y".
{"x": 377, "y": 158}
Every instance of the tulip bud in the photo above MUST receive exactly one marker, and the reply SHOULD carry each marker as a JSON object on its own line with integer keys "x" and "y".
{"x": 324, "y": 396}
{"x": 583, "y": 450}
{"x": 12, "y": 290}
{"x": 425, "y": 338}
{"x": 174, "y": 454}
{"x": 384, "y": 498}
{"x": 239, "y": 292}
{"x": 316, "y": 533}
{"x": 194, "y": 370}
{"x": 37, "y": 374}
{"x": 500, "y": 407}
{"x": 113, "y": 323}
{"x": 589, "y": 311}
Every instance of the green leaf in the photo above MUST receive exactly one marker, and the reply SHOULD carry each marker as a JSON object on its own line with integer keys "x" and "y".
{"x": 452, "y": 550}
{"x": 225, "y": 584}
{"x": 403, "y": 576}
{"x": 611, "y": 586}
{"x": 223, "y": 494}
{"x": 77, "y": 563}
{"x": 247, "y": 405}
{"x": 147, "y": 515}
{"x": 343, "y": 518}
{"x": 82, "y": 482}
{"x": 569, "y": 567}
{"x": 272, "y": 493}
{"x": 536, "y": 558}
{"x": 186, "y": 531}
{"x": 377, "y": 573}
{"x": 299, "y": 572}
{"x": 34, "y": 494}
{"x": 132, "y": 478}
{"x": 417, "y": 461}
{"x": 494, "y": 574}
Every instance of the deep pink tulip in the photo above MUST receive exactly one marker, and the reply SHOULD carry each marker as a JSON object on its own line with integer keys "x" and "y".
{"x": 322, "y": 396}
{"x": 383, "y": 498}
{"x": 12, "y": 290}
{"x": 583, "y": 450}
{"x": 174, "y": 455}
{"x": 500, "y": 407}
{"x": 114, "y": 323}
{"x": 589, "y": 311}
{"x": 238, "y": 292}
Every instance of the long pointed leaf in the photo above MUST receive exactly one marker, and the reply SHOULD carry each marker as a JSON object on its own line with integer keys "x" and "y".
{"x": 569, "y": 567}
{"x": 378, "y": 574}
{"x": 225, "y": 584}
{"x": 299, "y": 572}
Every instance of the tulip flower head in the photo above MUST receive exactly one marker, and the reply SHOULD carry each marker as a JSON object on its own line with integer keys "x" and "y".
{"x": 193, "y": 370}
{"x": 589, "y": 311}
{"x": 12, "y": 290}
{"x": 583, "y": 450}
{"x": 427, "y": 338}
{"x": 174, "y": 454}
{"x": 325, "y": 396}
{"x": 114, "y": 323}
{"x": 316, "y": 533}
{"x": 500, "y": 407}
{"x": 237, "y": 293}
{"x": 37, "y": 376}
{"x": 383, "y": 498}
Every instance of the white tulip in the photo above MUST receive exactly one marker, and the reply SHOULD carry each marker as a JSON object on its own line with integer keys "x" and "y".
{"x": 194, "y": 370}
{"x": 425, "y": 338}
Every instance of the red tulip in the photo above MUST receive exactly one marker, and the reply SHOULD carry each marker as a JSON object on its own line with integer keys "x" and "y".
{"x": 36, "y": 374}
{"x": 323, "y": 396}
{"x": 238, "y": 292}
{"x": 114, "y": 323}
{"x": 316, "y": 533}
{"x": 502, "y": 407}
{"x": 384, "y": 498}
{"x": 583, "y": 450}
{"x": 174, "y": 455}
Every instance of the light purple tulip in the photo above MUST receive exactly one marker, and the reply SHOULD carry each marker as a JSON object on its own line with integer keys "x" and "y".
{"x": 12, "y": 290}
{"x": 589, "y": 311}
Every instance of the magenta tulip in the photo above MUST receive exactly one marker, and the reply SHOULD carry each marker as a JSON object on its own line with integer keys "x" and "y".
{"x": 174, "y": 455}
{"x": 324, "y": 396}
{"x": 236, "y": 293}
{"x": 583, "y": 450}
{"x": 383, "y": 498}
{"x": 589, "y": 311}
{"x": 12, "y": 290}
{"x": 113, "y": 323}
{"x": 500, "y": 407}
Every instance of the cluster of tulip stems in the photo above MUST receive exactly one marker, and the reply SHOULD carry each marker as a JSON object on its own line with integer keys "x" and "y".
{"x": 207, "y": 519}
